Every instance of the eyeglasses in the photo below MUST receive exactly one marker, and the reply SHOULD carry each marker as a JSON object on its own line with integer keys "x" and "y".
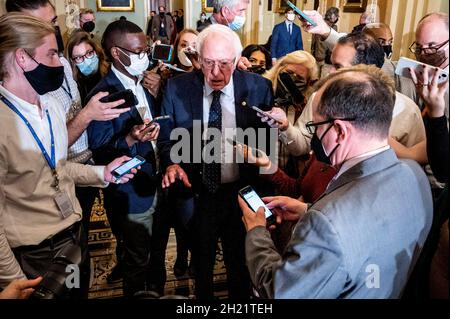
{"x": 312, "y": 127}
{"x": 141, "y": 54}
{"x": 223, "y": 64}
{"x": 80, "y": 59}
{"x": 414, "y": 48}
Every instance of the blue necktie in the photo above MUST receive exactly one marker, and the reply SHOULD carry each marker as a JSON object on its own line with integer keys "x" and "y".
{"x": 212, "y": 171}
{"x": 290, "y": 28}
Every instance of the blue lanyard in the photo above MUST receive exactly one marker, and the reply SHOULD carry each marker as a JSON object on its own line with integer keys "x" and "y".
{"x": 51, "y": 160}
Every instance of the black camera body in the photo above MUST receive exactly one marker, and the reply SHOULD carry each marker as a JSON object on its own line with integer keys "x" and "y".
{"x": 53, "y": 285}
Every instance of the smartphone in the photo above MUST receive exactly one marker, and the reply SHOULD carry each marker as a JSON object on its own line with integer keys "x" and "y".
{"x": 125, "y": 168}
{"x": 301, "y": 13}
{"x": 258, "y": 69}
{"x": 162, "y": 52}
{"x": 252, "y": 199}
{"x": 404, "y": 64}
{"x": 127, "y": 95}
{"x": 170, "y": 66}
{"x": 257, "y": 109}
{"x": 159, "y": 120}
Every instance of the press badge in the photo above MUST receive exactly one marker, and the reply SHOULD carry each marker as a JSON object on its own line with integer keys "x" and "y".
{"x": 64, "y": 204}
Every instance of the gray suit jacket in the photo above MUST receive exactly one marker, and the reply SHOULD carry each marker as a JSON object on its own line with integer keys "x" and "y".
{"x": 361, "y": 239}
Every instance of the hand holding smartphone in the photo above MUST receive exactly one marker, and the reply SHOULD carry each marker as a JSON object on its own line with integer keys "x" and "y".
{"x": 264, "y": 113}
{"x": 127, "y": 167}
{"x": 404, "y": 64}
{"x": 255, "y": 202}
{"x": 127, "y": 95}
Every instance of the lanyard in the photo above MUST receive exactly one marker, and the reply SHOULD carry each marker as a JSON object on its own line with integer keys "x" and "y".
{"x": 51, "y": 160}
{"x": 68, "y": 90}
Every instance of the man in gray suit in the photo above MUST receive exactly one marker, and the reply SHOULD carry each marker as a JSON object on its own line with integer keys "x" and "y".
{"x": 362, "y": 238}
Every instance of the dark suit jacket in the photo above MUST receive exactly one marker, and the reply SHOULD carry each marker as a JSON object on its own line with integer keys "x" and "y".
{"x": 183, "y": 101}
{"x": 107, "y": 142}
{"x": 361, "y": 239}
{"x": 283, "y": 42}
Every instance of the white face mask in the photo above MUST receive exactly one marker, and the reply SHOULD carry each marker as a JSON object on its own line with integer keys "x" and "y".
{"x": 137, "y": 66}
{"x": 184, "y": 60}
{"x": 291, "y": 16}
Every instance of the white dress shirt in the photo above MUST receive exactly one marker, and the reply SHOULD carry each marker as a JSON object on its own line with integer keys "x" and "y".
{"x": 138, "y": 90}
{"x": 229, "y": 169}
{"x": 28, "y": 212}
{"x": 289, "y": 26}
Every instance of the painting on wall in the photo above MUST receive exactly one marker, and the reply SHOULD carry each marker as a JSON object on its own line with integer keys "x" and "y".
{"x": 207, "y": 6}
{"x": 115, "y": 5}
{"x": 358, "y": 6}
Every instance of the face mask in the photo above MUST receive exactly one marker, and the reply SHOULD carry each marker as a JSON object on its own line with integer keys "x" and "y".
{"x": 292, "y": 86}
{"x": 59, "y": 39}
{"x": 89, "y": 66}
{"x": 319, "y": 151}
{"x": 89, "y": 26}
{"x": 137, "y": 66}
{"x": 291, "y": 16}
{"x": 203, "y": 18}
{"x": 45, "y": 78}
{"x": 237, "y": 23}
{"x": 387, "y": 50}
{"x": 432, "y": 59}
{"x": 184, "y": 60}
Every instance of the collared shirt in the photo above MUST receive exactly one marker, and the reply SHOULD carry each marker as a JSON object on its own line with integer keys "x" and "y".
{"x": 230, "y": 170}
{"x": 289, "y": 26}
{"x": 69, "y": 97}
{"x": 28, "y": 213}
{"x": 358, "y": 159}
{"x": 138, "y": 90}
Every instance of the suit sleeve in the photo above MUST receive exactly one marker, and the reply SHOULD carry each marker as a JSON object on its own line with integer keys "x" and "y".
{"x": 312, "y": 266}
{"x": 164, "y": 141}
{"x": 274, "y": 43}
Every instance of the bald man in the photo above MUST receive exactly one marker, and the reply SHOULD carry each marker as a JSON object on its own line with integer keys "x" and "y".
{"x": 383, "y": 34}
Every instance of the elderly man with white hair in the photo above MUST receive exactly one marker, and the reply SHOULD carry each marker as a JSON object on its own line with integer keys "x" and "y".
{"x": 217, "y": 97}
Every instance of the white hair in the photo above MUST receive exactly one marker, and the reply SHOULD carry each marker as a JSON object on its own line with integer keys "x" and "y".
{"x": 219, "y": 31}
{"x": 218, "y": 4}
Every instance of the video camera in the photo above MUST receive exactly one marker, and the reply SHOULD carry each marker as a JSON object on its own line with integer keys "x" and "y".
{"x": 53, "y": 285}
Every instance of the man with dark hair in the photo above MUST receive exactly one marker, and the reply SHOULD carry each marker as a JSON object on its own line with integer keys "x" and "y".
{"x": 130, "y": 207}
{"x": 357, "y": 48}
{"x": 162, "y": 26}
{"x": 336, "y": 250}
{"x": 286, "y": 37}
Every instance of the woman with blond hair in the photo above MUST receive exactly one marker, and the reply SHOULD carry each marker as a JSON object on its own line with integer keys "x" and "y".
{"x": 292, "y": 80}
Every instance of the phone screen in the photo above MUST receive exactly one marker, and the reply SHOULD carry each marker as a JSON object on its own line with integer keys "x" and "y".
{"x": 125, "y": 168}
{"x": 255, "y": 202}
{"x": 162, "y": 52}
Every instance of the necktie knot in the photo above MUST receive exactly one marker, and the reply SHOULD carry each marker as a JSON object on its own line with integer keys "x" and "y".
{"x": 216, "y": 95}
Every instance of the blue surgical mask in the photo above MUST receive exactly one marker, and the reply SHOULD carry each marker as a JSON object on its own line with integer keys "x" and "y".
{"x": 89, "y": 66}
{"x": 237, "y": 23}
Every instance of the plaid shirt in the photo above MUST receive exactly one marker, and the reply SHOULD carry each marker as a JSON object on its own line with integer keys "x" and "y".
{"x": 69, "y": 96}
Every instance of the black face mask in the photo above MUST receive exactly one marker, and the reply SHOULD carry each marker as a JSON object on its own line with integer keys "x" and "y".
{"x": 89, "y": 26}
{"x": 292, "y": 85}
{"x": 319, "y": 151}
{"x": 387, "y": 50}
{"x": 45, "y": 78}
{"x": 59, "y": 39}
{"x": 436, "y": 59}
